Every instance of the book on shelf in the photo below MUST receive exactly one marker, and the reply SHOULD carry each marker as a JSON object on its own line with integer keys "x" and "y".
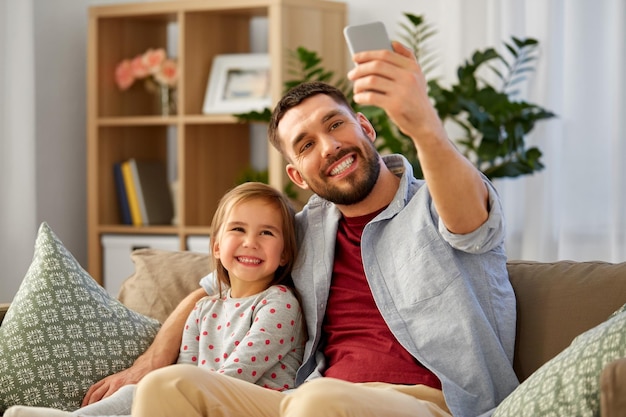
{"x": 122, "y": 196}
{"x": 131, "y": 194}
{"x": 153, "y": 191}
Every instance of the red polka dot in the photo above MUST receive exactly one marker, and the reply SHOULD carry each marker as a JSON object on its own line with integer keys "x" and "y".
{"x": 264, "y": 302}
{"x": 187, "y": 327}
{"x": 288, "y": 305}
{"x": 236, "y": 342}
{"x": 236, "y": 360}
{"x": 228, "y": 324}
{"x": 211, "y": 346}
{"x": 267, "y": 358}
{"x": 253, "y": 359}
{"x": 217, "y": 360}
{"x": 282, "y": 365}
{"x": 197, "y": 338}
{"x": 237, "y": 304}
{"x": 281, "y": 341}
{"x": 239, "y": 370}
{"x": 214, "y": 315}
{"x": 225, "y": 355}
{"x": 203, "y": 361}
{"x": 204, "y": 333}
{"x": 185, "y": 347}
{"x": 253, "y": 373}
{"x": 250, "y": 343}
{"x": 267, "y": 341}
{"x": 193, "y": 359}
{"x": 293, "y": 322}
{"x": 273, "y": 375}
{"x": 286, "y": 386}
{"x": 272, "y": 310}
{"x": 279, "y": 326}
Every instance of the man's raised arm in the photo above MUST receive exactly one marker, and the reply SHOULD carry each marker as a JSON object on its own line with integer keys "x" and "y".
{"x": 394, "y": 82}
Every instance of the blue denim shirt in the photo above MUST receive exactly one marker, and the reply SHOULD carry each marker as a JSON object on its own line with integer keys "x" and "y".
{"x": 446, "y": 298}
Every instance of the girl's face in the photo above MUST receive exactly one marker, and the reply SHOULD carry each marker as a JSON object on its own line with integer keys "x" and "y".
{"x": 251, "y": 246}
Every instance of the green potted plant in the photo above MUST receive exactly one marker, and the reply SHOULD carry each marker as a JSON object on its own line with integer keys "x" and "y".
{"x": 492, "y": 123}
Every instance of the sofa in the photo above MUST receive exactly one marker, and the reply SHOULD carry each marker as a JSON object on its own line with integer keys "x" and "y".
{"x": 556, "y": 302}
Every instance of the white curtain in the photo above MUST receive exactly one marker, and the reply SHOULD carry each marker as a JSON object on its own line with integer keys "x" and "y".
{"x": 17, "y": 143}
{"x": 576, "y": 207}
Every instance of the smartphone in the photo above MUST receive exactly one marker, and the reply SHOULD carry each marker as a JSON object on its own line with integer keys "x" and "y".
{"x": 367, "y": 37}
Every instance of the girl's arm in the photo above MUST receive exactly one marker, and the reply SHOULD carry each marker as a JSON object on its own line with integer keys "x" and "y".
{"x": 191, "y": 334}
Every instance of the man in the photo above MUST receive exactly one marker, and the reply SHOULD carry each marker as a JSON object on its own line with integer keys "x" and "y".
{"x": 403, "y": 282}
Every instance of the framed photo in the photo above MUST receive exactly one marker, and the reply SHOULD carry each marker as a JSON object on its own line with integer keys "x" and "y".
{"x": 238, "y": 83}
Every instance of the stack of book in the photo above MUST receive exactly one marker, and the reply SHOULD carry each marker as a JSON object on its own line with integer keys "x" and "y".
{"x": 143, "y": 192}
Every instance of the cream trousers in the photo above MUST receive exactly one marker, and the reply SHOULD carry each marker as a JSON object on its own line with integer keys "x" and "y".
{"x": 185, "y": 390}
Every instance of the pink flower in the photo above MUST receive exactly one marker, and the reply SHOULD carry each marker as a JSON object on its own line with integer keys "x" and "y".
{"x": 153, "y": 58}
{"x": 124, "y": 74}
{"x": 152, "y": 65}
{"x": 140, "y": 70}
{"x": 168, "y": 73}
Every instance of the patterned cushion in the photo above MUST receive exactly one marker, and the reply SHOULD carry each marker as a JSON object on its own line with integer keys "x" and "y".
{"x": 63, "y": 332}
{"x": 568, "y": 385}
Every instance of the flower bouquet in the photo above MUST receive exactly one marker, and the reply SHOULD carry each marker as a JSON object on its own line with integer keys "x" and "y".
{"x": 159, "y": 72}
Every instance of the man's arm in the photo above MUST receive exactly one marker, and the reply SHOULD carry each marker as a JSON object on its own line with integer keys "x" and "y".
{"x": 162, "y": 352}
{"x": 394, "y": 82}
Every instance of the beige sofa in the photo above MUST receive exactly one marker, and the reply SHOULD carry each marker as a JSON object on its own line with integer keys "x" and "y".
{"x": 556, "y": 302}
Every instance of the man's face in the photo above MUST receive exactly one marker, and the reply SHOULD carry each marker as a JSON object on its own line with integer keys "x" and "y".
{"x": 330, "y": 150}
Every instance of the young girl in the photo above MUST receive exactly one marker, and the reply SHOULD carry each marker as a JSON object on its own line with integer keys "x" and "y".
{"x": 253, "y": 328}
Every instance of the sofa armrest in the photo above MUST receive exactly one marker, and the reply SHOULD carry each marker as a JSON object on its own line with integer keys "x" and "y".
{"x": 3, "y": 310}
{"x": 613, "y": 389}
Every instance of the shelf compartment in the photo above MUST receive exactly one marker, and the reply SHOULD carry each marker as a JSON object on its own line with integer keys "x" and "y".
{"x": 117, "y": 144}
{"x": 122, "y": 38}
{"x": 207, "y": 34}
{"x": 215, "y": 155}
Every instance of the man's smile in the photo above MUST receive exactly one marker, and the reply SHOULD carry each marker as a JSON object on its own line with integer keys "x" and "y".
{"x": 342, "y": 165}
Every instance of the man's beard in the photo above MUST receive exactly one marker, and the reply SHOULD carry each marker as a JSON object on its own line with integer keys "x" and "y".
{"x": 360, "y": 186}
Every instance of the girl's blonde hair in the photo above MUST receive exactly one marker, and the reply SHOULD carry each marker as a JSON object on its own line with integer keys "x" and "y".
{"x": 257, "y": 191}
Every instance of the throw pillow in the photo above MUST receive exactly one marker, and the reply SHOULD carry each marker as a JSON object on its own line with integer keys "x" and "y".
{"x": 162, "y": 279}
{"x": 568, "y": 384}
{"x": 64, "y": 332}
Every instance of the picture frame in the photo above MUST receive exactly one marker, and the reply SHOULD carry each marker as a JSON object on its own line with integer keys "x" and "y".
{"x": 238, "y": 83}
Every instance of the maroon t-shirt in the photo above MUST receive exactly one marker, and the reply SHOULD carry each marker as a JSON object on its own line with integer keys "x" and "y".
{"x": 359, "y": 345}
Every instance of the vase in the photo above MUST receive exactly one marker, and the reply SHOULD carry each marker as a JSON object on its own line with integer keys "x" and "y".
{"x": 167, "y": 100}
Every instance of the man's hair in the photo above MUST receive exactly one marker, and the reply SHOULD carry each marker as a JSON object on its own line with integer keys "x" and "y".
{"x": 294, "y": 97}
{"x": 250, "y": 191}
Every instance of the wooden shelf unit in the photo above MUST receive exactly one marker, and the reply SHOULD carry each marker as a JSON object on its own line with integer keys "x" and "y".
{"x": 210, "y": 150}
